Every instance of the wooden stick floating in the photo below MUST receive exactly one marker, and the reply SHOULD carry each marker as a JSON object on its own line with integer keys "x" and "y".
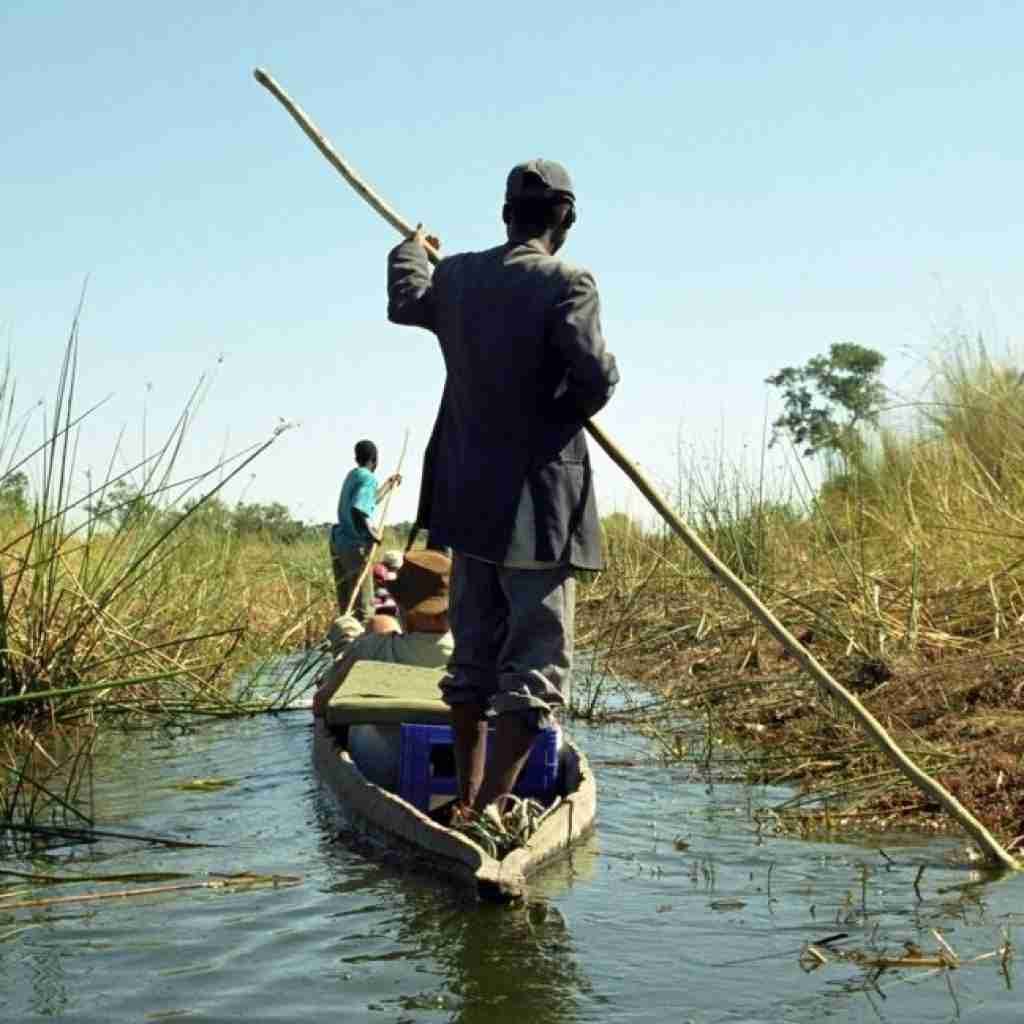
{"x": 230, "y": 882}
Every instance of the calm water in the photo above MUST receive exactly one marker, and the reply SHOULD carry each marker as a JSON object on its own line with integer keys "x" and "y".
{"x": 674, "y": 911}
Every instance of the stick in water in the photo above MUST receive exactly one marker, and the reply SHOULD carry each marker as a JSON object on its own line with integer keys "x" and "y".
{"x": 986, "y": 842}
{"x": 228, "y": 882}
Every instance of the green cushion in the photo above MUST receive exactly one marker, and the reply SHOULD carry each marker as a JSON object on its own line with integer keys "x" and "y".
{"x": 385, "y": 694}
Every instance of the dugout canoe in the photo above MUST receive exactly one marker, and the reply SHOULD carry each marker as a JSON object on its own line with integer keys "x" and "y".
{"x": 381, "y": 694}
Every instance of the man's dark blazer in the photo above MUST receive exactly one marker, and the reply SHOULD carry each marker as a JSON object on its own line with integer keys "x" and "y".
{"x": 521, "y": 337}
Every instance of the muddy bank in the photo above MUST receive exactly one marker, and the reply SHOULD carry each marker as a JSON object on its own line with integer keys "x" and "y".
{"x": 721, "y": 695}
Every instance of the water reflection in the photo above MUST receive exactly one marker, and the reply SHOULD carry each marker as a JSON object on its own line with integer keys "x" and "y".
{"x": 500, "y": 965}
{"x": 493, "y": 964}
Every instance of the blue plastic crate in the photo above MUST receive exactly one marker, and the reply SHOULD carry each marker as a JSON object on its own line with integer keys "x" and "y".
{"x": 428, "y": 765}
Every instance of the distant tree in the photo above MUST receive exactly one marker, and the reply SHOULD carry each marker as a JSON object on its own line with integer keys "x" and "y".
{"x": 14, "y": 495}
{"x": 829, "y": 399}
{"x": 209, "y": 513}
{"x": 274, "y": 520}
{"x": 123, "y": 504}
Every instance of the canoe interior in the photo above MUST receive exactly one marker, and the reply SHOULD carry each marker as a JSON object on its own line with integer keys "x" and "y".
{"x": 403, "y": 832}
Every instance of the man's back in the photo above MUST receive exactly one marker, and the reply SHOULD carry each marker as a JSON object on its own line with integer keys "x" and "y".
{"x": 359, "y": 491}
{"x": 493, "y": 314}
{"x": 520, "y": 333}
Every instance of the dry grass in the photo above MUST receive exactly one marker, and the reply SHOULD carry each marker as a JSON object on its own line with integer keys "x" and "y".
{"x": 904, "y": 576}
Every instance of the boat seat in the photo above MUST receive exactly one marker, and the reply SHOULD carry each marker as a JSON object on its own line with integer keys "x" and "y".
{"x": 381, "y": 693}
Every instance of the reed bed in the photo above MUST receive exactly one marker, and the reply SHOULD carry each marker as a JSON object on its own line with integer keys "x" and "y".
{"x": 171, "y": 647}
{"x": 902, "y": 571}
{"x": 137, "y": 599}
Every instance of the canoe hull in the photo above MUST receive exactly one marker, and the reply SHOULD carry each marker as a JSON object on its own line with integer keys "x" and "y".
{"x": 418, "y": 839}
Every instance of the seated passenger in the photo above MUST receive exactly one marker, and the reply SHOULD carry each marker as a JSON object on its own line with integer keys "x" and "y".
{"x": 421, "y": 591}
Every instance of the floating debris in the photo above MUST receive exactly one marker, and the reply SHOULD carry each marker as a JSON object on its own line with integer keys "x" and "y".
{"x": 813, "y": 956}
{"x": 136, "y": 876}
{"x": 236, "y": 882}
{"x": 728, "y": 904}
{"x": 205, "y": 785}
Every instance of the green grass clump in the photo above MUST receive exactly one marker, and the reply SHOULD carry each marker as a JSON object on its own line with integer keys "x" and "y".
{"x": 137, "y": 598}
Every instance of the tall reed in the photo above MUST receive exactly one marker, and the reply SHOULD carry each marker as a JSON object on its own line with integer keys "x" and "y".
{"x": 902, "y": 570}
{"x": 125, "y": 599}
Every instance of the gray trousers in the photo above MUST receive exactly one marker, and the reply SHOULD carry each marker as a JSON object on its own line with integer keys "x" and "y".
{"x": 513, "y": 631}
{"x": 347, "y": 564}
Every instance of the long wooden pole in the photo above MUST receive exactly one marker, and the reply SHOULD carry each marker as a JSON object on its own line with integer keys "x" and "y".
{"x": 984, "y": 839}
{"x": 305, "y": 122}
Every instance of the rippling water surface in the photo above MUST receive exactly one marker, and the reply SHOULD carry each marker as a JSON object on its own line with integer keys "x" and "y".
{"x": 675, "y": 911}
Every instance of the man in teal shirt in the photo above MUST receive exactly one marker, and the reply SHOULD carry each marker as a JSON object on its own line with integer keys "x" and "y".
{"x": 353, "y": 535}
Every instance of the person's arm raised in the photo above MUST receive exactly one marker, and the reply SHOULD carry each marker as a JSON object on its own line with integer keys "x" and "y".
{"x": 410, "y": 282}
{"x": 395, "y": 480}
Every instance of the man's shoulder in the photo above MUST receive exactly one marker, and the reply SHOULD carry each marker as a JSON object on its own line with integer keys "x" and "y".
{"x": 472, "y": 257}
{"x": 573, "y": 273}
{"x": 355, "y": 480}
{"x": 555, "y": 266}
{"x": 495, "y": 263}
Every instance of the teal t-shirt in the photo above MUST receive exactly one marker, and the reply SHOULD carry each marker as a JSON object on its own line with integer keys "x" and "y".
{"x": 359, "y": 491}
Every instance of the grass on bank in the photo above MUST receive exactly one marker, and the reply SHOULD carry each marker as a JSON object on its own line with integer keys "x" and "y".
{"x": 135, "y": 599}
{"x": 902, "y": 572}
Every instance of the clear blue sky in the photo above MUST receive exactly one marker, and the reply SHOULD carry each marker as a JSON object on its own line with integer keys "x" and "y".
{"x": 755, "y": 182}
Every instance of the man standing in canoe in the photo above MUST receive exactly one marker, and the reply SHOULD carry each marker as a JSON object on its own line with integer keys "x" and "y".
{"x": 353, "y": 535}
{"x": 510, "y": 482}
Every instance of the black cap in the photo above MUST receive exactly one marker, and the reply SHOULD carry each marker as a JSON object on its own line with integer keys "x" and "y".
{"x": 539, "y": 179}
